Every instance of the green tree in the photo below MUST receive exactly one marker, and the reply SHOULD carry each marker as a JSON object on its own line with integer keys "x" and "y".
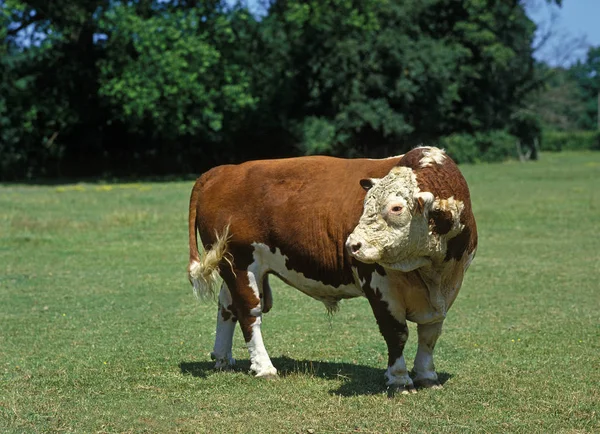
{"x": 587, "y": 76}
{"x": 156, "y": 86}
{"x": 560, "y": 102}
{"x": 368, "y": 73}
{"x": 168, "y": 73}
{"x": 48, "y": 82}
{"x": 89, "y": 86}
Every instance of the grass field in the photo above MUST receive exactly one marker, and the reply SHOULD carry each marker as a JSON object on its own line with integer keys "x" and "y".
{"x": 100, "y": 332}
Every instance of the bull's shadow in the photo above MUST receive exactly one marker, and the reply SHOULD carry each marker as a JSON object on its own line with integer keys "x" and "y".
{"x": 357, "y": 379}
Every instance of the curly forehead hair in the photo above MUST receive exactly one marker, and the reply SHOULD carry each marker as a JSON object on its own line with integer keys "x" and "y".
{"x": 401, "y": 181}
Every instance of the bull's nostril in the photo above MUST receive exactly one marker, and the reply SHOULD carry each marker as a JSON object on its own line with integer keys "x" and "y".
{"x": 355, "y": 247}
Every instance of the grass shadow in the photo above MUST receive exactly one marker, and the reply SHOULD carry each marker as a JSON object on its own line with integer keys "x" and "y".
{"x": 356, "y": 379}
{"x": 197, "y": 369}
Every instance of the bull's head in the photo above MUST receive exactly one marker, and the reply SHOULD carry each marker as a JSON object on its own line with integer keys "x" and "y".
{"x": 393, "y": 229}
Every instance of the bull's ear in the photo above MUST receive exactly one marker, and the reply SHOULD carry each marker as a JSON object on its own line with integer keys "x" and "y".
{"x": 424, "y": 202}
{"x": 368, "y": 183}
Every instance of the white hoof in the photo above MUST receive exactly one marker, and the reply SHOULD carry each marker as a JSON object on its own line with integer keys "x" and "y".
{"x": 268, "y": 372}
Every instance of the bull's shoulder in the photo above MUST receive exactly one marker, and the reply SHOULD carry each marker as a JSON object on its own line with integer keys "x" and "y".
{"x": 451, "y": 214}
{"x": 438, "y": 174}
{"x": 425, "y": 156}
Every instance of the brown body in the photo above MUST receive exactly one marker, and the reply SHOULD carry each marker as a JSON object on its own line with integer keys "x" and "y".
{"x": 306, "y": 207}
{"x": 291, "y": 218}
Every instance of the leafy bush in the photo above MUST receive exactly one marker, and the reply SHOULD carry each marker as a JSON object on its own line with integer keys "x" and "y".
{"x": 318, "y": 136}
{"x": 570, "y": 140}
{"x": 496, "y": 145}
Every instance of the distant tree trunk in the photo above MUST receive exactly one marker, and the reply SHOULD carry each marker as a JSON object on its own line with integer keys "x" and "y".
{"x": 532, "y": 152}
{"x": 535, "y": 149}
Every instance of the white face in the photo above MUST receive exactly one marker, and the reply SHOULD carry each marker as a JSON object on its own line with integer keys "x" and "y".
{"x": 392, "y": 228}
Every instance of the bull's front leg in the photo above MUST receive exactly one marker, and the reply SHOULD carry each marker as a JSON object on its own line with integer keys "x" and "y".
{"x": 392, "y": 325}
{"x": 424, "y": 369}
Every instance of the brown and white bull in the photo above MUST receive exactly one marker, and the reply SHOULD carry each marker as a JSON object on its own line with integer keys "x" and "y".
{"x": 405, "y": 245}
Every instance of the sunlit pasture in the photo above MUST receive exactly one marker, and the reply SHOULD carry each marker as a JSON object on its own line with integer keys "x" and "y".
{"x": 100, "y": 332}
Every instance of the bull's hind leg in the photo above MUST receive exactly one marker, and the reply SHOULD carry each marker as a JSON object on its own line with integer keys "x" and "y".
{"x": 248, "y": 307}
{"x": 424, "y": 369}
{"x": 225, "y": 327}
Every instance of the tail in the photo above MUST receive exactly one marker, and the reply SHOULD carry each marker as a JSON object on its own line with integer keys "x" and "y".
{"x": 203, "y": 269}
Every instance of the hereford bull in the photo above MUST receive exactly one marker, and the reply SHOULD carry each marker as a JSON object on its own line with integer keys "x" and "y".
{"x": 405, "y": 245}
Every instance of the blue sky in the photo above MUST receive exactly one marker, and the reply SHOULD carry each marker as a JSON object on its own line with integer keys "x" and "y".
{"x": 575, "y": 20}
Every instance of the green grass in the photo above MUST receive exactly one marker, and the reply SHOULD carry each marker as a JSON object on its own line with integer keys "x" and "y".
{"x": 100, "y": 332}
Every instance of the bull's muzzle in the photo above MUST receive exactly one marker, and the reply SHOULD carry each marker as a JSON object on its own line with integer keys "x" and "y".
{"x": 361, "y": 250}
{"x": 353, "y": 246}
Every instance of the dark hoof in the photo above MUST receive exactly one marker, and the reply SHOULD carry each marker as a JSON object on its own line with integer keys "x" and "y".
{"x": 397, "y": 389}
{"x": 223, "y": 364}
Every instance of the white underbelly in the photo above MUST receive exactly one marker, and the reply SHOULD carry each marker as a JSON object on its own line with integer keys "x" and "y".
{"x": 267, "y": 261}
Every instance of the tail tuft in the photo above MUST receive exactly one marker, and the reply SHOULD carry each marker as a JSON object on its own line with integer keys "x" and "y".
{"x": 204, "y": 272}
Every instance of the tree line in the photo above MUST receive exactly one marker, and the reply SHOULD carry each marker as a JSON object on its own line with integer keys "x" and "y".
{"x": 150, "y": 87}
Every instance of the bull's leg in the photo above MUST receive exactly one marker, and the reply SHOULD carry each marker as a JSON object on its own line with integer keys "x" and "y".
{"x": 225, "y": 327}
{"x": 248, "y": 306}
{"x": 395, "y": 332}
{"x": 424, "y": 369}
{"x": 260, "y": 363}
